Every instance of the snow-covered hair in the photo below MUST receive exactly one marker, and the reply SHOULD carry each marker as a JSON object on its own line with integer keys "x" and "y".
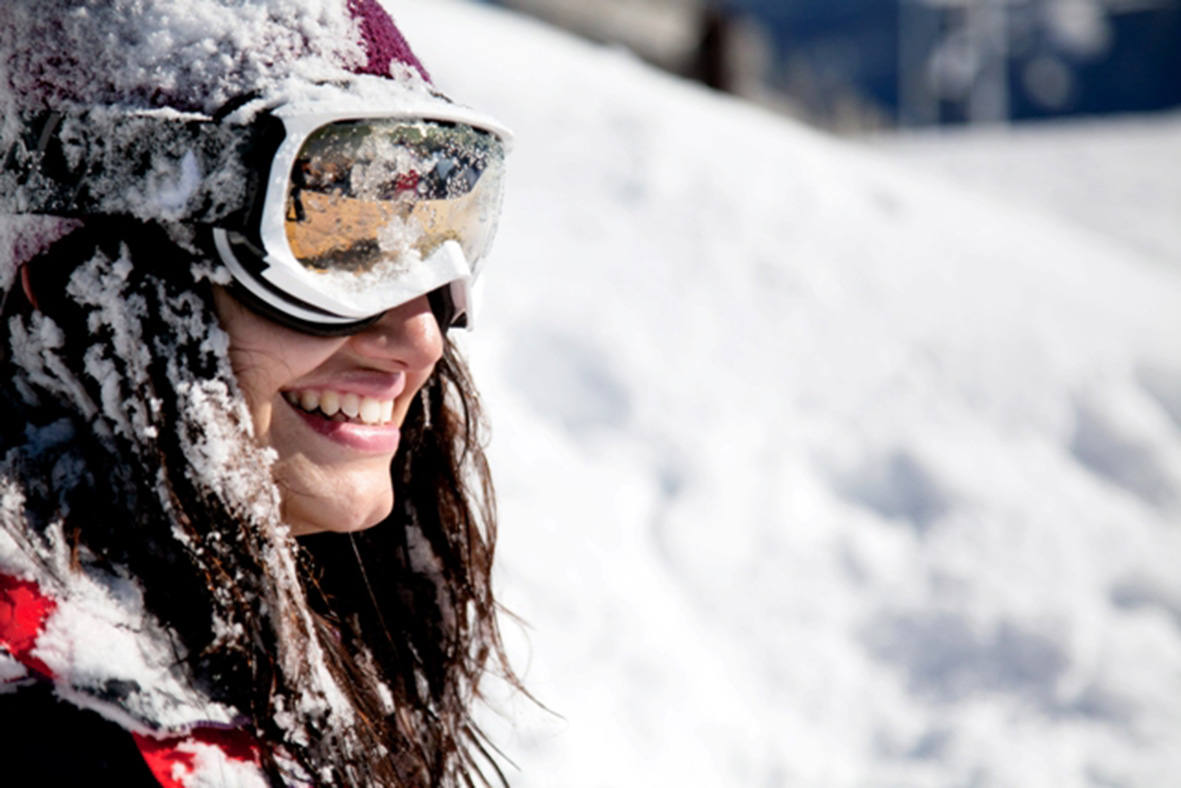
{"x": 129, "y": 453}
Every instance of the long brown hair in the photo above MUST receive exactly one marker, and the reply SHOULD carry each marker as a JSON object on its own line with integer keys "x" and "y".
{"x": 355, "y": 658}
{"x": 415, "y": 591}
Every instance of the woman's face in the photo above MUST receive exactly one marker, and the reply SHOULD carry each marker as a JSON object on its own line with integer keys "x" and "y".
{"x": 331, "y": 407}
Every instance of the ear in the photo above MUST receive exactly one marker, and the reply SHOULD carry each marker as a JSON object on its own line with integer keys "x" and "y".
{"x": 27, "y": 286}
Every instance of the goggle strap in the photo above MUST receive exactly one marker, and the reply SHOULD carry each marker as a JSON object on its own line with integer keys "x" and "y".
{"x": 100, "y": 163}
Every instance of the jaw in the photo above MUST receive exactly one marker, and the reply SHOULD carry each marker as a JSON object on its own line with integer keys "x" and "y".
{"x": 342, "y": 498}
{"x": 323, "y": 485}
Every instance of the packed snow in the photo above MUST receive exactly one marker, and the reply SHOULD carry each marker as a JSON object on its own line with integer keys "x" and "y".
{"x": 814, "y": 469}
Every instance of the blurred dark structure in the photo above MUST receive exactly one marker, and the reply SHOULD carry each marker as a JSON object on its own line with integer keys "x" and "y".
{"x": 712, "y": 63}
{"x": 855, "y": 65}
{"x": 717, "y": 43}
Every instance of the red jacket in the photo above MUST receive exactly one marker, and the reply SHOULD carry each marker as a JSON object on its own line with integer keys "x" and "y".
{"x": 70, "y": 725}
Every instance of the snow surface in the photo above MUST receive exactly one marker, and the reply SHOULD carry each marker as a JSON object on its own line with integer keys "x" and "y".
{"x": 814, "y": 469}
{"x": 1117, "y": 176}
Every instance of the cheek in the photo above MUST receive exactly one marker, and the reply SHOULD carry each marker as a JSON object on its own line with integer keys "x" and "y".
{"x": 258, "y": 383}
{"x": 416, "y": 386}
{"x": 267, "y": 359}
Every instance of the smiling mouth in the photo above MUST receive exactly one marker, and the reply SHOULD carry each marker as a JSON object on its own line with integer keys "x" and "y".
{"x": 342, "y": 406}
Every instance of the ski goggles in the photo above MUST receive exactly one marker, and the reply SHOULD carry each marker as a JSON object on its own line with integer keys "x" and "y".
{"x": 324, "y": 220}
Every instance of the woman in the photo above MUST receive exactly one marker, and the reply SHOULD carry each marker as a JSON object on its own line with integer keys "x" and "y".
{"x": 238, "y": 234}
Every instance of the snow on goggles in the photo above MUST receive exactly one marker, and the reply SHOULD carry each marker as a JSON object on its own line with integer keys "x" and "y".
{"x": 325, "y": 221}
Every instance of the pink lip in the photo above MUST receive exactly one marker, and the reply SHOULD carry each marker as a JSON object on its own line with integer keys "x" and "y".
{"x": 368, "y": 438}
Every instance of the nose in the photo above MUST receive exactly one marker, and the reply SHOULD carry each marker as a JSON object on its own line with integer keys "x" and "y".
{"x": 407, "y": 335}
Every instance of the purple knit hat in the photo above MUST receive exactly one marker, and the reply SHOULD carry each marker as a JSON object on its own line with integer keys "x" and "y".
{"x": 384, "y": 43}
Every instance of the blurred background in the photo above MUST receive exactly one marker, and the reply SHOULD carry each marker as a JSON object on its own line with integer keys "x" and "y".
{"x": 1006, "y": 96}
{"x": 832, "y": 352}
{"x": 852, "y": 66}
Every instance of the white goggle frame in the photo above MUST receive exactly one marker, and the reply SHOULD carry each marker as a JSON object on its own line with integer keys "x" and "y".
{"x": 285, "y": 285}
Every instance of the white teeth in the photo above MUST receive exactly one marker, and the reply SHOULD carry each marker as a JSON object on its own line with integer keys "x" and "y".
{"x": 329, "y": 403}
{"x": 370, "y": 410}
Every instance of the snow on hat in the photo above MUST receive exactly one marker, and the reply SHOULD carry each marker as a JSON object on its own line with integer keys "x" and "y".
{"x": 190, "y": 54}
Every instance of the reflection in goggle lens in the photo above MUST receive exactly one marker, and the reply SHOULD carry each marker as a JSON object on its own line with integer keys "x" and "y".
{"x": 375, "y": 196}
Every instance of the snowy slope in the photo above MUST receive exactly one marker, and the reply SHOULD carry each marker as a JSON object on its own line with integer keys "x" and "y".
{"x": 1118, "y": 176}
{"x": 813, "y": 470}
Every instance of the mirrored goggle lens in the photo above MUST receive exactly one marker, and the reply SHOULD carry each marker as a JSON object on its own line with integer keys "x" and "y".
{"x": 376, "y": 196}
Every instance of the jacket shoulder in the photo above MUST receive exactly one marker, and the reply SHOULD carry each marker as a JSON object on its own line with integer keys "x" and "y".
{"x": 46, "y": 741}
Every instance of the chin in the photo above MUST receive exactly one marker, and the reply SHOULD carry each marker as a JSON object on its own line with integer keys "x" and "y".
{"x": 350, "y": 515}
